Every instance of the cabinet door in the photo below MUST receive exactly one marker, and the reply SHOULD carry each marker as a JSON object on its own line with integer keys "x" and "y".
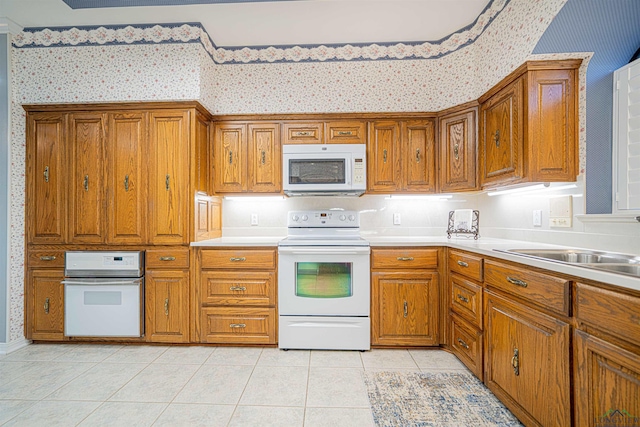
{"x": 46, "y": 179}
{"x": 167, "y": 306}
{"x": 458, "y": 151}
{"x": 607, "y": 383}
{"x": 264, "y": 158}
{"x": 383, "y": 157}
{"x": 47, "y": 304}
{"x": 418, "y": 153}
{"x": 527, "y": 362}
{"x": 202, "y": 166}
{"x": 169, "y": 177}
{"x": 552, "y": 125}
{"x": 86, "y": 142}
{"x": 230, "y": 145}
{"x": 502, "y": 136}
{"x": 404, "y": 308}
{"x": 127, "y": 157}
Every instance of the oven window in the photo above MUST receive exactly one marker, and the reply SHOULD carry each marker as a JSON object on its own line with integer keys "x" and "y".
{"x": 317, "y": 171}
{"x": 324, "y": 279}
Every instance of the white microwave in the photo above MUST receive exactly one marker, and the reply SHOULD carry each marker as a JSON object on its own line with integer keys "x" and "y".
{"x": 324, "y": 169}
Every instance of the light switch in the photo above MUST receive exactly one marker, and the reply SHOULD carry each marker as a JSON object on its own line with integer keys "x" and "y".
{"x": 537, "y": 218}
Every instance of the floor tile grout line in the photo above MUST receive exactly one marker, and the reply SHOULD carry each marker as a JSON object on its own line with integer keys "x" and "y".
{"x": 306, "y": 395}
{"x": 244, "y": 389}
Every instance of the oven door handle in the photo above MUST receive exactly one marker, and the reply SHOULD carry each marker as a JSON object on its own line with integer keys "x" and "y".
{"x": 330, "y": 250}
{"x": 99, "y": 282}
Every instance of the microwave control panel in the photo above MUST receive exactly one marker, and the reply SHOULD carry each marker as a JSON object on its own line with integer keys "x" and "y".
{"x": 358, "y": 171}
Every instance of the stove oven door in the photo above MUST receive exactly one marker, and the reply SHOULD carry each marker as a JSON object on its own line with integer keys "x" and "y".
{"x": 323, "y": 281}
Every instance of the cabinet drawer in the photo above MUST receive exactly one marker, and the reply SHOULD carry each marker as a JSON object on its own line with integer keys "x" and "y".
{"x": 404, "y": 258}
{"x": 241, "y": 259}
{"x": 547, "y": 291}
{"x": 238, "y": 288}
{"x": 465, "y": 264}
{"x": 346, "y": 132}
{"x": 303, "y": 133}
{"x": 609, "y": 311}
{"x": 250, "y": 325}
{"x": 167, "y": 259}
{"x": 46, "y": 259}
{"x": 466, "y": 300}
{"x": 466, "y": 343}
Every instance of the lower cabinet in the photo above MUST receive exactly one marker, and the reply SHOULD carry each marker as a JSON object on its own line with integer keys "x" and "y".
{"x": 527, "y": 361}
{"x": 241, "y": 325}
{"x": 167, "y": 306}
{"x": 466, "y": 343}
{"x": 405, "y": 296}
{"x": 47, "y": 304}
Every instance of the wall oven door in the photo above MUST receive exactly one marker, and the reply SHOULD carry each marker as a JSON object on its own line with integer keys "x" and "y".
{"x": 103, "y": 307}
{"x": 324, "y": 281}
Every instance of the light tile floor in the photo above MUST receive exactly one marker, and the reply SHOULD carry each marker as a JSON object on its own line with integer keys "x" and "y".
{"x": 114, "y": 385}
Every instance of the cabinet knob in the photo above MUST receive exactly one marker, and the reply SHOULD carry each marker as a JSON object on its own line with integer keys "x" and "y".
{"x": 417, "y": 155}
{"x": 462, "y": 298}
{"x": 166, "y": 307}
{"x": 46, "y": 306}
{"x": 463, "y": 344}
{"x": 126, "y": 183}
{"x": 237, "y": 288}
{"x": 167, "y": 258}
{"x": 47, "y": 258}
{"x": 237, "y": 325}
{"x": 230, "y": 157}
{"x": 85, "y": 184}
{"x": 456, "y": 151}
{"x": 496, "y": 137}
{"x": 263, "y": 157}
{"x": 405, "y": 258}
{"x": 406, "y": 309}
{"x": 463, "y": 264}
{"x": 384, "y": 156}
{"x": 46, "y": 174}
{"x": 515, "y": 362}
{"x": 167, "y": 181}
{"x": 238, "y": 259}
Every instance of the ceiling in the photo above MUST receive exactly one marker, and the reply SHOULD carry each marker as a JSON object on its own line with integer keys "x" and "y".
{"x": 233, "y": 23}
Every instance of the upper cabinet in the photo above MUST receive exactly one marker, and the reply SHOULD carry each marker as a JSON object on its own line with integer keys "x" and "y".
{"x": 247, "y": 157}
{"x": 458, "y": 149}
{"x": 114, "y": 174}
{"x": 401, "y": 156}
{"x": 319, "y": 132}
{"x": 529, "y": 127}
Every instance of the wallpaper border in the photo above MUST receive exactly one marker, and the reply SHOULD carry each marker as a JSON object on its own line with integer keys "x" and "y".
{"x": 194, "y": 32}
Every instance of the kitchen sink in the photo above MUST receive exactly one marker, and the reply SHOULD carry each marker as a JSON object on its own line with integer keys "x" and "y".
{"x": 608, "y": 261}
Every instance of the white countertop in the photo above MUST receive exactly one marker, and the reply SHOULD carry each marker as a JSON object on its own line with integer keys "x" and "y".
{"x": 483, "y": 246}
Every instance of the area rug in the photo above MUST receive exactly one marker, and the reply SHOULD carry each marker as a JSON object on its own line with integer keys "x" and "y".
{"x": 405, "y": 399}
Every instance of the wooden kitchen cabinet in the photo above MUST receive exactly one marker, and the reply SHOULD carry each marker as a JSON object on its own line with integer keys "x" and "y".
{"x": 527, "y": 361}
{"x": 247, "y": 157}
{"x": 404, "y": 297}
{"x": 401, "y": 156}
{"x": 46, "y": 304}
{"x": 458, "y": 150}
{"x": 529, "y": 126}
{"x": 319, "y": 132}
{"x": 236, "y": 295}
{"x": 167, "y": 306}
{"x": 47, "y": 178}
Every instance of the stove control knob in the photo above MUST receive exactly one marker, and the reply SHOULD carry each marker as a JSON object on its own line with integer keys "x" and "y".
{"x": 342, "y": 217}
{"x": 304, "y": 217}
{"x": 295, "y": 218}
{"x": 352, "y": 218}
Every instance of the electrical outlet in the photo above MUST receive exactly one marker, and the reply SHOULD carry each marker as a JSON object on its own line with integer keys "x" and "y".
{"x": 396, "y": 219}
{"x": 537, "y": 218}
{"x": 254, "y": 219}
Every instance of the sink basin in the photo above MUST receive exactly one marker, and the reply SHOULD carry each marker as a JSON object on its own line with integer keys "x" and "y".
{"x": 607, "y": 261}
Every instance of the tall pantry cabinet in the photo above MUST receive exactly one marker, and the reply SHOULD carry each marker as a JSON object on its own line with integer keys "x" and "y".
{"x": 114, "y": 177}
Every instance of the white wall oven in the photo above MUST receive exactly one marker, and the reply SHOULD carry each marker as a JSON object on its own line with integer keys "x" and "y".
{"x": 103, "y": 294}
{"x": 324, "y": 169}
{"x": 323, "y": 282}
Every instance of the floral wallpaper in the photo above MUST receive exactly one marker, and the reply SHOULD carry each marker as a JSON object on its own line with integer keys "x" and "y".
{"x": 174, "y": 62}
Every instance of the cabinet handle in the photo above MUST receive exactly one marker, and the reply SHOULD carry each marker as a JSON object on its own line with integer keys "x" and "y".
{"x": 405, "y": 258}
{"x": 515, "y": 362}
{"x": 263, "y": 158}
{"x": 345, "y": 132}
{"x": 237, "y": 288}
{"x": 517, "y": 282}
{"x": 167, "y": 258}
{"x": 302, "y": 133}
{"x": 230, "y": 157}
{"x": 46, "y": 306}
{"x": 47, "y": 258}
{"x": 463, "y": 264}
{"x": 85, "y": 184}
{"x": 463, "y": 299}
{"x": 456, "y": 151}
{"x": 240, "y": 259}
{"x": 463, "y": 344}
{"x": 167, "y": 180}
{"x": 166, "y": 307}
{"x": 237, "y": 325}
{"x": 384, "y": 156}
{"x": 406, "y": 309}
{"x": 496, "y": 137}
{"x": 46, "y": 174}
{"x": 417, "y": 155}
{"x": 126, "y": 183}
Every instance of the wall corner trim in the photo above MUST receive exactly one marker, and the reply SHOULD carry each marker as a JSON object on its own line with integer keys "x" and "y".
{"x": 7, "y": 26}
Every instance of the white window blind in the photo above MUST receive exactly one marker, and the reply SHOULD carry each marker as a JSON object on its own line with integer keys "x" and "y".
{"x": 626, "y": 138}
